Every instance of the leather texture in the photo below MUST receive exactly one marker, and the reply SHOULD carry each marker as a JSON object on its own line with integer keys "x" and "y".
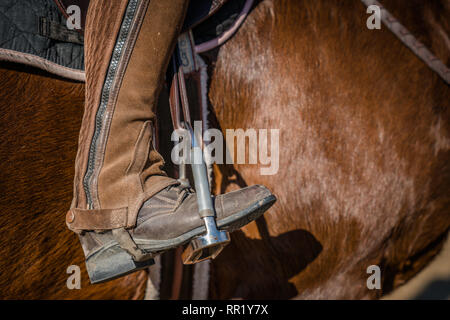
{"x": 126, "y": 170}
{"x": 123, "y": 200}
{"x": 173, "y": 212}
{"x": 177, "y": 208}
{"x": 79, "y": 219}
{"x": 102, "y": 25}
{"x": 130, "y": 137}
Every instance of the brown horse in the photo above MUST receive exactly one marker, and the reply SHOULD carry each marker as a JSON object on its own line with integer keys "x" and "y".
{"x": 364, "y": 158}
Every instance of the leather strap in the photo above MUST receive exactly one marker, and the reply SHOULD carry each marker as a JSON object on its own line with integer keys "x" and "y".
{"x": 126, "y": 242}
{"x": 78, "y": 220}
{"x": 408, "y": 39}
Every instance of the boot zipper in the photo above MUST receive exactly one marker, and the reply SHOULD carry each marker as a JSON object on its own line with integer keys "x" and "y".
{"x": 112, "y": 69}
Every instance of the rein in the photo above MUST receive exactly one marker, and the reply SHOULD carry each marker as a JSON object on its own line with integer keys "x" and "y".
{"x": 411, "y": 42}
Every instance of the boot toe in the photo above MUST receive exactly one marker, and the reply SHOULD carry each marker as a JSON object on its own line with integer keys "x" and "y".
{"x": 245, "y": 199}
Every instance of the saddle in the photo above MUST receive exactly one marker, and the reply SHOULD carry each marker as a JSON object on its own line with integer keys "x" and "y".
{"x": 198, "y": 10}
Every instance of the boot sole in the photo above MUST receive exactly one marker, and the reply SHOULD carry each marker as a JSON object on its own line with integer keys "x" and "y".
{"x": 230, "y": 224}
{"x": 112, "y": 261}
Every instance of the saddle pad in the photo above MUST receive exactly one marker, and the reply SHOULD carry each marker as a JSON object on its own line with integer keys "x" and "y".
{"x": 25, "y": 38}
{"x": 27, "y": 30}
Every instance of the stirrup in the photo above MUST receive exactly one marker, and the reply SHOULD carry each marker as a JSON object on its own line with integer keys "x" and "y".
{"x": 209, "y": 245}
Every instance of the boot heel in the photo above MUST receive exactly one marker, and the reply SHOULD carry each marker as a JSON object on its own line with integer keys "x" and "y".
{"x": 113, "y": 262}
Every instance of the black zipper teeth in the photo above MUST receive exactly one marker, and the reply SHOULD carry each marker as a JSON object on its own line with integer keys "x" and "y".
{"x": 112, "y": 70}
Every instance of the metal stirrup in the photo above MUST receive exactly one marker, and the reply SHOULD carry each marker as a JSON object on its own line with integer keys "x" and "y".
{"x": 209, "y": 245}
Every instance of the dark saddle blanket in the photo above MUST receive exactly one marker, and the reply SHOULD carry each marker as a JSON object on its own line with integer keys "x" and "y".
{"x": 35, "y": 32}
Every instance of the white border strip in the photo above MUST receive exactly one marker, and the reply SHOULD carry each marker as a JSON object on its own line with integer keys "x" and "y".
{"x": 41, "y": 63}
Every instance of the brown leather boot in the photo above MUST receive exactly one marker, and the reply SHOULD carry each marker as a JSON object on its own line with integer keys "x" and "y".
{"x": 125, "y": 209}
